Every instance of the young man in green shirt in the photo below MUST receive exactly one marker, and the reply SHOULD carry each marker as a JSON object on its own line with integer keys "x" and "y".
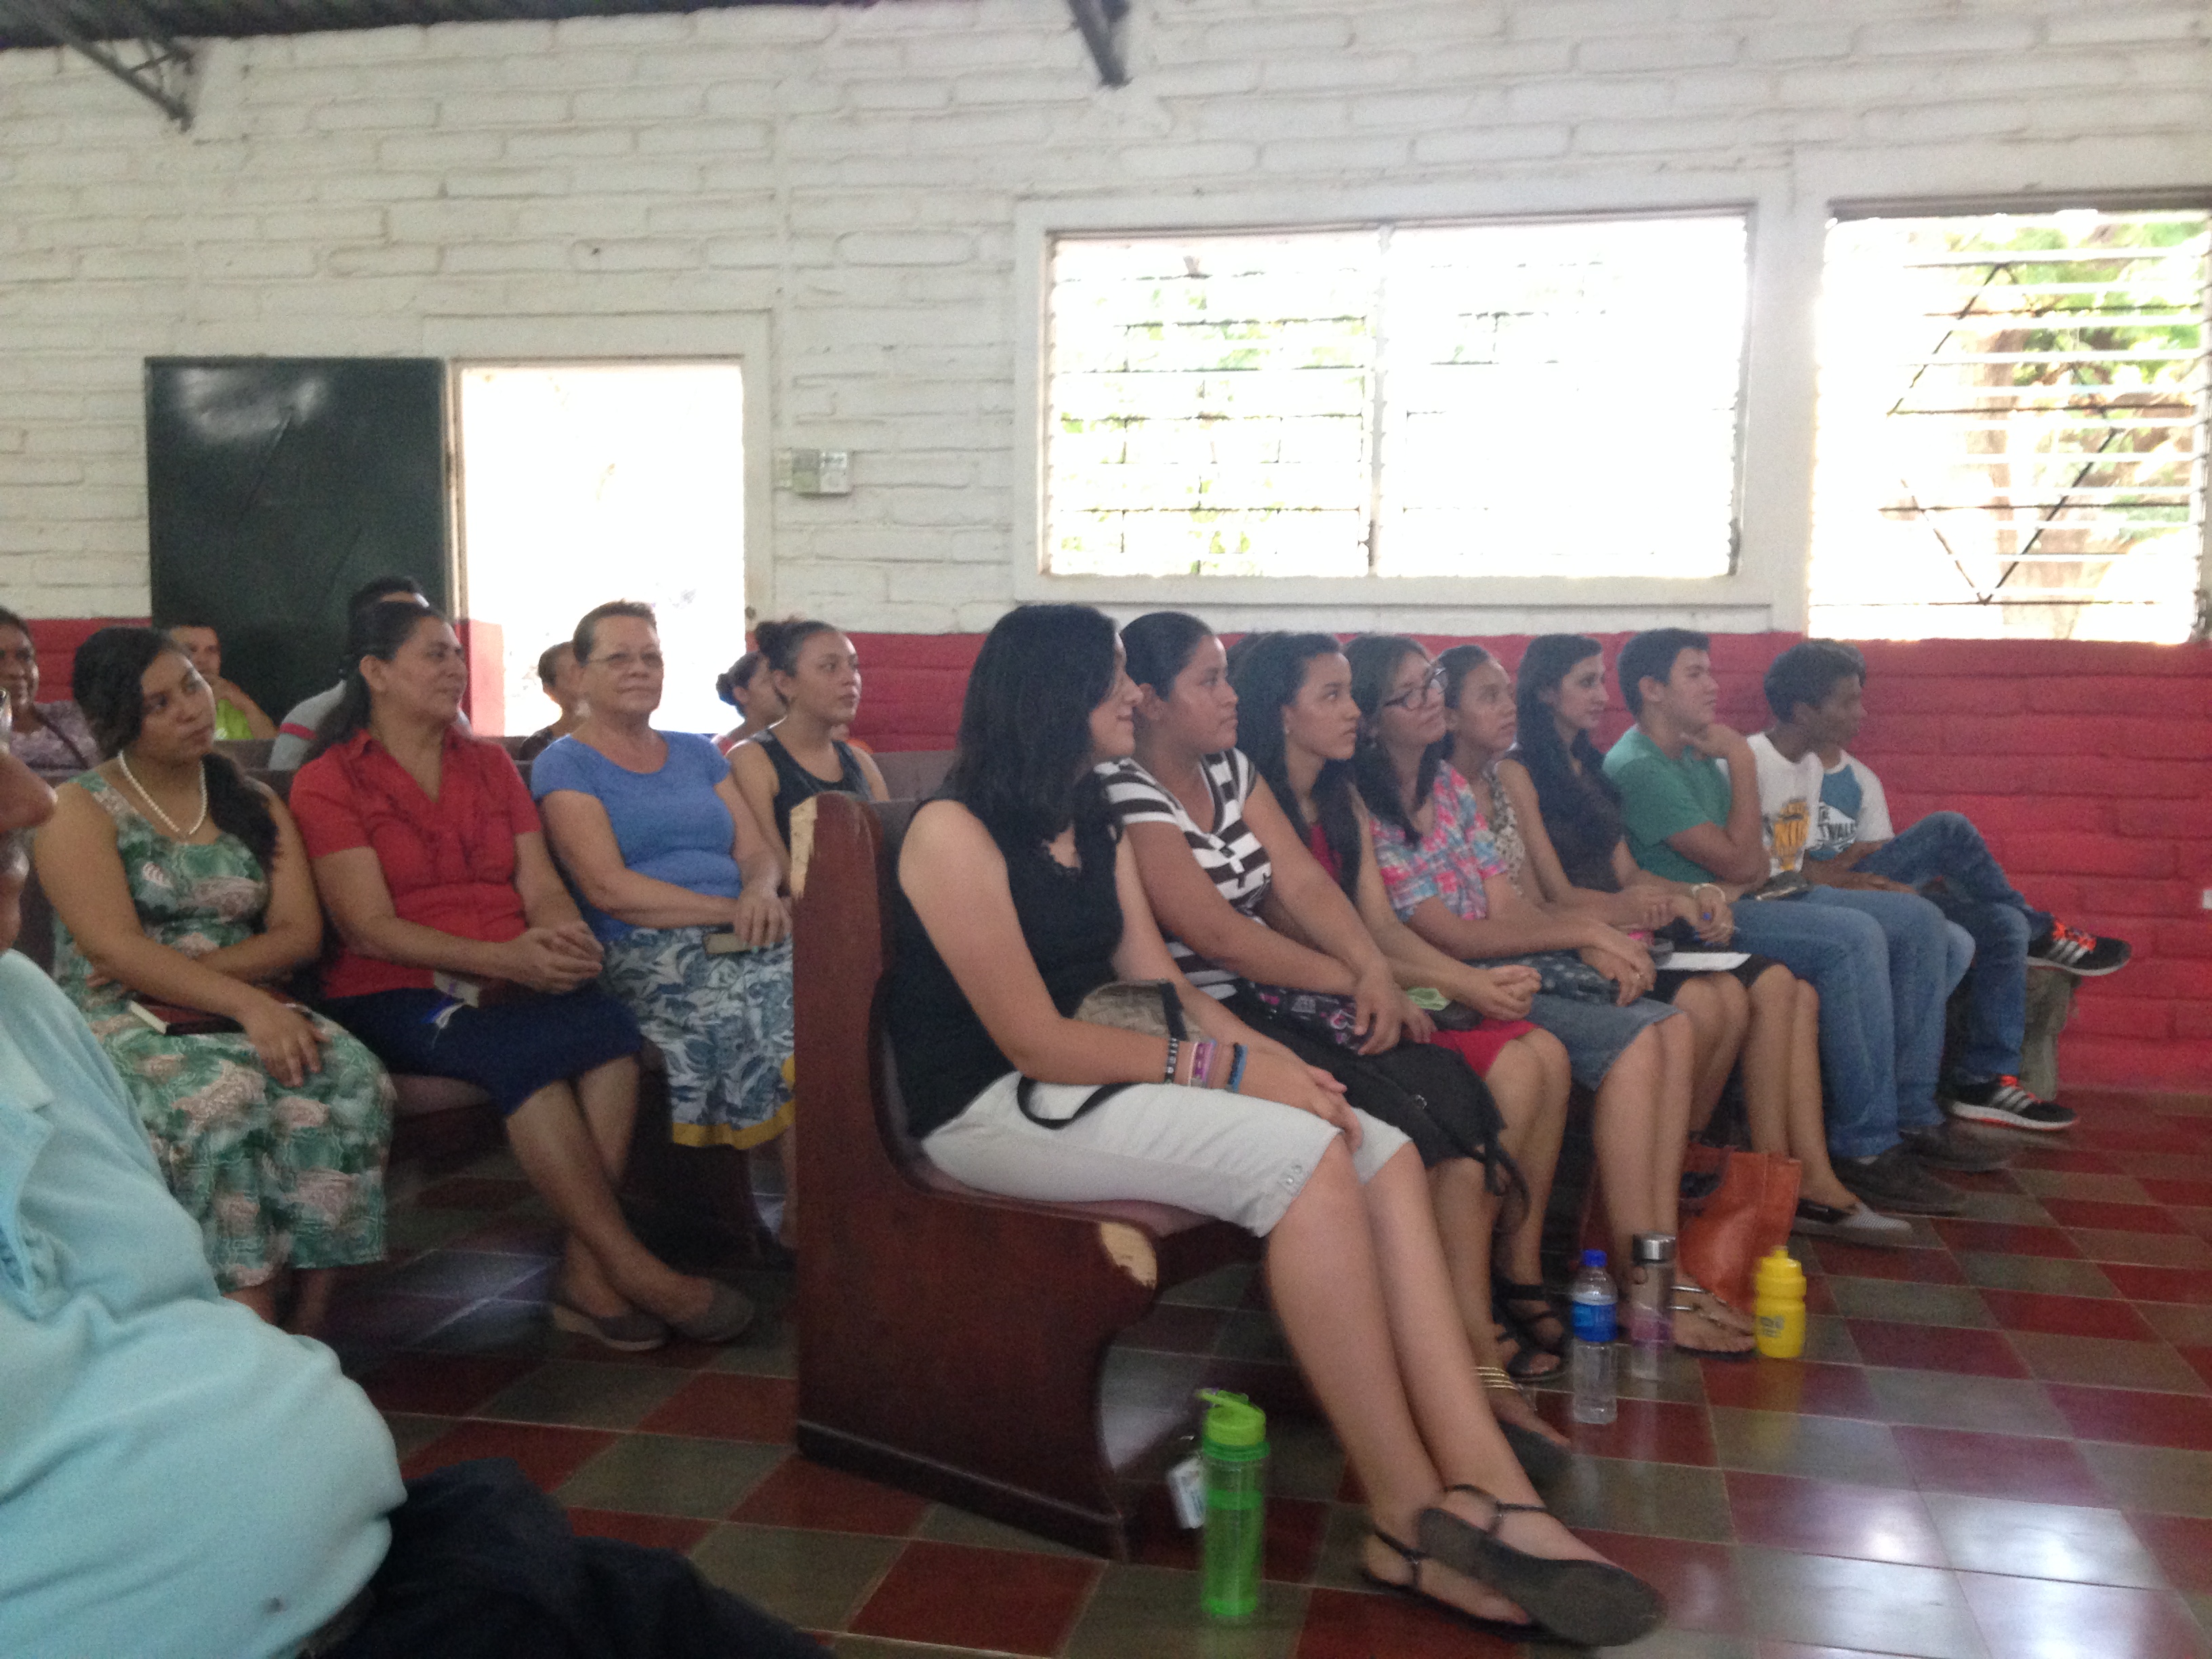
{"x": 1881, "y": 961}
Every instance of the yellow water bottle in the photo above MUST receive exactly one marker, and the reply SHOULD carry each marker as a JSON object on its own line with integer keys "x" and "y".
{"x": 1780, "y": 1305}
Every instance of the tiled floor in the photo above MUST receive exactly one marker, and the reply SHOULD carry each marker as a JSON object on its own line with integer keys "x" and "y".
{"x": 1999, "y": 1443}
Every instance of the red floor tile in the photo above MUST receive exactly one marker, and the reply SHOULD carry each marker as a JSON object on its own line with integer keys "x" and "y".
{"x": 724, "y": 1407}
{"x": 1819, "y": 1517}
{"x": 2005, "y": 1238}
{"x": 2043, "y": 1618}
{"x": 2191, "y": 1284}
{"x": 1934, "y": 1348}
{"x": 2138, "y": 1419}
{"x": 1697, "y": 1580}
{"x": 800, "y": 1493}
{"x": 1998, "y": 1465}
{"x": 1909, "y": 1266}
{"x": 1008, "y": 1601}
{"x": 547, "y": 1455}
{"x": 1648, "y": 1431}
{"x": 2067, "y": 1316}
{"x": 1295, "y": 1529}
{"x": 1352, "y": 1625}
{"x": 2200, "y": 1360}
{"x": 2181, "y": 1545}
{"x": 2143, "y": 1135}
{"x": 2191, "y": 1192}
{"x": 2070, "y": 1159}
{"x": 657, "y": 1532}
{"x": 1788, "y": 1385}
{"x": 2111, "y": 1218}
{"x": 444, "y": 1385}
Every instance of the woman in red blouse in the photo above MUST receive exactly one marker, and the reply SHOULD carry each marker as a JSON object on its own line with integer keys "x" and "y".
{"x": 462, "y": 956}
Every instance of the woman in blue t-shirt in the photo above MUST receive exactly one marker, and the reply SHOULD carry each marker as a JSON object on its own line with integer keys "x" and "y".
{"x": 679, "y": 883}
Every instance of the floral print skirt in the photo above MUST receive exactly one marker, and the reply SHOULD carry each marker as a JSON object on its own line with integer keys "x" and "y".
{"x": 273, "y": 1176}
{"x": 722, "y": 1024}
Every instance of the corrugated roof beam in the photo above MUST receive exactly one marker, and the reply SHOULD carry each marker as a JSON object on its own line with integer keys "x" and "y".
{"x": 1100, "y": 22}
{"x": 163, "y": 74}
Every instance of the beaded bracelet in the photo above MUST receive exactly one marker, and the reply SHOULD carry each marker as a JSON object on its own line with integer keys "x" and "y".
{"x": 1236, "y": 1069}
{"x": 1175, "y": 1053}
{"x": 1201, "y": 1063}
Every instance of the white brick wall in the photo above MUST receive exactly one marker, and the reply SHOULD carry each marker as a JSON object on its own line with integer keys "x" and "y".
{"x": 875, "y": 184}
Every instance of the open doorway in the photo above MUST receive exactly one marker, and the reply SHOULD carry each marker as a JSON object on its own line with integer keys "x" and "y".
{"x": 580, "y": 483}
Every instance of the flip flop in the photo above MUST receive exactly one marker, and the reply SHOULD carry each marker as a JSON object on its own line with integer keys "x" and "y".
{"x": 1592, "y": 1603}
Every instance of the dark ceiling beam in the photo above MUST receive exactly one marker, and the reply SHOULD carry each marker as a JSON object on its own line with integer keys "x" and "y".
{"x": 162, "y": 72}
{"x": 1100, "y": 22}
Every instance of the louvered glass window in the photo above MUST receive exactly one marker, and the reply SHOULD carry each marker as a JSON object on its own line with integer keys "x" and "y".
{"x": 2012, "y": 426}
{"x": 1535, "y": 398}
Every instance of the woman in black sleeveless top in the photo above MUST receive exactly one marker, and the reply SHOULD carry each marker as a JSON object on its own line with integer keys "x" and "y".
{"x": 1015, "y": 899}
{"x": 817, "y": 674}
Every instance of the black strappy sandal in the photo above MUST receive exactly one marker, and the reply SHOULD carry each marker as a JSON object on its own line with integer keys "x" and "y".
{"x": 1511, "y": 1630}
{"x": 1592, "y": 1603}
{"x": 1504, "y": 1293}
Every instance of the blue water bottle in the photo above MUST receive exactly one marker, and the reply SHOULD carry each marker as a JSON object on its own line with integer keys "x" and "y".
{"x": 1590, "y": 1365}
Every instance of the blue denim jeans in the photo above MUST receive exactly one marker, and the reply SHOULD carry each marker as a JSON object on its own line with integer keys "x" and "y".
{"x": 1923, "y": 969}
{"x": 1976, "y": 896}
{"x": 1844, "y": 957}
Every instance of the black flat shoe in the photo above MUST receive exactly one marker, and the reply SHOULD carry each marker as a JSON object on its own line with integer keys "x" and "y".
{"x": 1592, "y": 1603}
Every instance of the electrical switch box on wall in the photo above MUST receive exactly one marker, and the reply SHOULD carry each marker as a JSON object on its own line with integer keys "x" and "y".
{"x": 815, "y": 471}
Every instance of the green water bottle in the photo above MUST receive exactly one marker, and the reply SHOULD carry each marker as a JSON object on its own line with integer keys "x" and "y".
{"x": 1234, "y": 1450}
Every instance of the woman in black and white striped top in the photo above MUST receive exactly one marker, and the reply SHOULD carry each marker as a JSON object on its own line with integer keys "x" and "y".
{"x": 1241, "y": 902}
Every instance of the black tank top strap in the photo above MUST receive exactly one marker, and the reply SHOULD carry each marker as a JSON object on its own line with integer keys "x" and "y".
{"x": 795, "y": 783}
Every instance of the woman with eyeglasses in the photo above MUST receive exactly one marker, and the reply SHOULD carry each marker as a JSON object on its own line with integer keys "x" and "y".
{"x": 817, "y": 673}
{"x": 462, "y": 954}
{"x": 182, "y": 898}
{"x": 679, "y": 884}
{"x": 52, "y": 738}
{"x": 1253, "y": 920}
{"x": 1448, "y": 883}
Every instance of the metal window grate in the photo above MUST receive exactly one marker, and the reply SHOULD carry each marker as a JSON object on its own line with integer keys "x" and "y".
{"x": 1485, "y": 400}
{"x": 2012, "y": 426}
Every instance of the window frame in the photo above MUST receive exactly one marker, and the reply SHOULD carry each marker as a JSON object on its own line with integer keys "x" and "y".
{"x": 1936, "y": 204}
{"x": 1772, "y": 488}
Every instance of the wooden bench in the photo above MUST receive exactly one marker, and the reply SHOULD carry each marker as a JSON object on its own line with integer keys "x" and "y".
{"x": 950, "y": 1341}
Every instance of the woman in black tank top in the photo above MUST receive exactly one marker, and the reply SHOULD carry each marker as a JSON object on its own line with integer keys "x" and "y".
{"x": 1003, "y": 924}
{"x": 817, "y": 674}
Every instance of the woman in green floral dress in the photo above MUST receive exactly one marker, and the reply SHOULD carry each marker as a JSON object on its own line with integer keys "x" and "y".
{"x": 175, "y": 880}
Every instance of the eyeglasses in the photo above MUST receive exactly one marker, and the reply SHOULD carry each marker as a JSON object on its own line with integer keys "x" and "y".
{"x": 1432, "y": 685}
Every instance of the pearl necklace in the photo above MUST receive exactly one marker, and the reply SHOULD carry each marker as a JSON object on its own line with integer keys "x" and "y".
{"x": 146, "y": 795}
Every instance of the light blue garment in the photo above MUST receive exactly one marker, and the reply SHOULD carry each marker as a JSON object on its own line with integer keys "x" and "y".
{"x": 177, "y": 1479}
{"x": 670, "y": 824}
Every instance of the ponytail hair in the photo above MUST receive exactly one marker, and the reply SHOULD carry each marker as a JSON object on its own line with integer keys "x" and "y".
{"x": 780, "y": 641}
{"x": 377, "y": 630}
{"x": 108, "y": 681}
{"x": 730, "y": 685}
{"x": 1269, "y": 671}
{"x": 1159, "y": 645}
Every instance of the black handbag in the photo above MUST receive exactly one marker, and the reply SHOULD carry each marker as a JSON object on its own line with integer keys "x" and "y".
{"x": 1150, "y": 1007}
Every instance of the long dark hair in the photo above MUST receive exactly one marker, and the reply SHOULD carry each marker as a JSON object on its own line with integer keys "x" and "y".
{"x": 377, "y": 630}
{"x": 1269, "y": 671}
{"x": 1159, "y": 645}
{"x": 1374, "y": 658}
{"x": 1579, "y": 810}
{"x": 1022, "y": 761}
{"x": 108, "y": 681}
